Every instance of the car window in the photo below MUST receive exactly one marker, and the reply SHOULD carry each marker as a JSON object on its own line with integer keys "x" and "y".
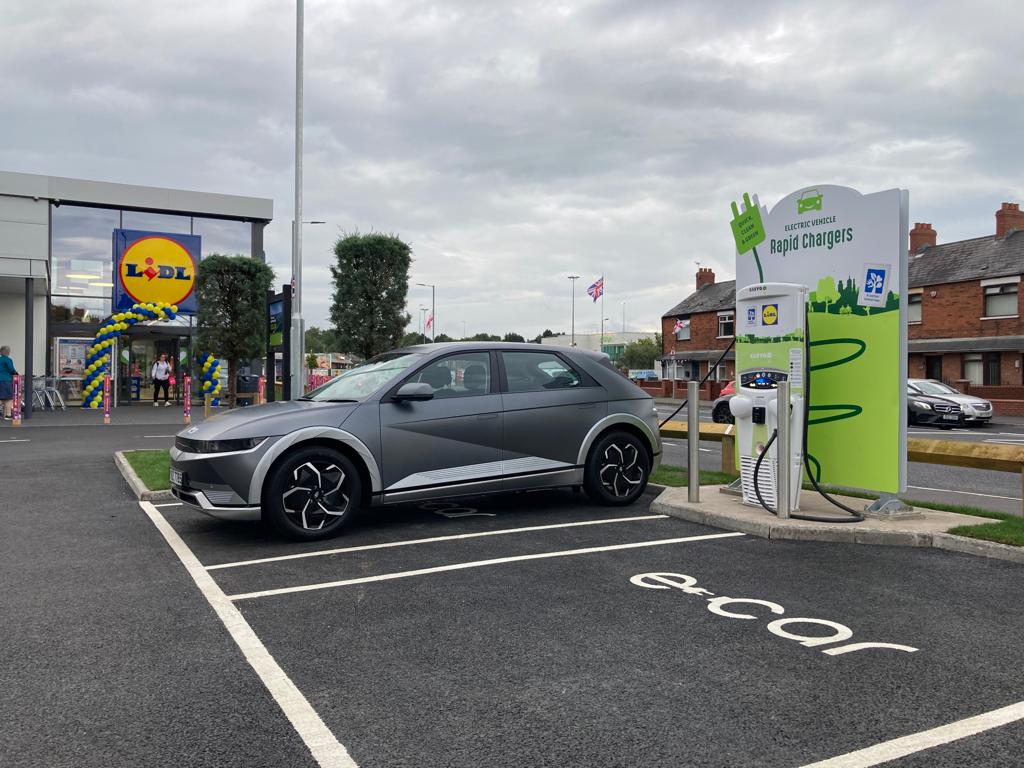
{"x": 366, "y": 378}
{"x": 538, "y": 372}
{"x": 460, "y": 375}
{"x": 935, "y": 388}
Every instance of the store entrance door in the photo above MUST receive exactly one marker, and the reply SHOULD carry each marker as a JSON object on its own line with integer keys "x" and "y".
{"x": 136, "y": 368}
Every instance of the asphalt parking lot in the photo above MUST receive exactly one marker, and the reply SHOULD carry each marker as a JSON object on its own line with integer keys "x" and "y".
{"x": 523, "y": 630}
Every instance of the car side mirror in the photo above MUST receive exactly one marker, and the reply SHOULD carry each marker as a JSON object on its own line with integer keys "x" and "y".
{"x": 414, "y": 391}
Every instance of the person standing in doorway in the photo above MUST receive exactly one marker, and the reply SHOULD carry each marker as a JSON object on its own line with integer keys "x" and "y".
{"x": 7, "y": 374}
{"x": 161, "y": 375}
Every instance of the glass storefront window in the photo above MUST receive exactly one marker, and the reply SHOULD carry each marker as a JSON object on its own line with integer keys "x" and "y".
{"x": 156, "y": 222}
{"x": 81, "y": 245}
{"x": 225, "y": 237}
{"x": 78, "y": 309}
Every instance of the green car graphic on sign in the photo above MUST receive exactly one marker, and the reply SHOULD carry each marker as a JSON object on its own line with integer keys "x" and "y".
{"x": 809, "y": 200}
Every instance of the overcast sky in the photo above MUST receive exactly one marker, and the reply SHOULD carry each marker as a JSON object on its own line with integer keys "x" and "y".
{"x": 513, "y": 144}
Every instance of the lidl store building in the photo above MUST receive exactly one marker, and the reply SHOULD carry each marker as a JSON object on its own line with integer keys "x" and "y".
{"x": 69, "y": 259}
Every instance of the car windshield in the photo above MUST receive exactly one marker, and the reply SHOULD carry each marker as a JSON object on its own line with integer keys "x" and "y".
{"x": 364, "y": 380}
{"x": 935, "y": 388}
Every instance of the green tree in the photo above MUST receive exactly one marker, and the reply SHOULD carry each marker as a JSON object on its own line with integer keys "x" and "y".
{"x": 322, "y": 340}
{"x": 411, "y": 339}
{"x": 311, "y": 361}
{"x": 371, "y": 280}
{"x": 442, "y": 338}
{"x": 641, "y": 353}
{"x": 513, "y": 337}
{"x": 232, "y": 295}
{"x": 483, "y": 337}
{"x": 827, "y": 292}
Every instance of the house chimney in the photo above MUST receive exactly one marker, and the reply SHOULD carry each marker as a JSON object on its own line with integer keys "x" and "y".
{"x": 705, "y": 277}
{"x": 1008, "y": 218}
{"x": 920, "y": 236}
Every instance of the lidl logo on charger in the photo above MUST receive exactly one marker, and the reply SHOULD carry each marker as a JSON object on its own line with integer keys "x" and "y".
{"x": 155, "y": 267}
{"x": 769, "y": 314}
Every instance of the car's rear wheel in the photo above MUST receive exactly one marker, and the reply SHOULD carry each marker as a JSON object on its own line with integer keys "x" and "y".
{"x": 312, "y": 494}
{"x": 617, "y": 469}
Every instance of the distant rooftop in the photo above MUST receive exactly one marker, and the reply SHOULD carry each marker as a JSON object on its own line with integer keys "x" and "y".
{"x": 974, "y": 259}
{"x": 710, "y": 298}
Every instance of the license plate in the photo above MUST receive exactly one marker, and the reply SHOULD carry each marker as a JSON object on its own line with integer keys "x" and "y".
{"x": 951, "y": 417}
{"x": 177, "y": 477}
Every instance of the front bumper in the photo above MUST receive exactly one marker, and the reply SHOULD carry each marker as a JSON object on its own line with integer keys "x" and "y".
{"x": 198, "y": 500}
{"x": 927, "y": 418}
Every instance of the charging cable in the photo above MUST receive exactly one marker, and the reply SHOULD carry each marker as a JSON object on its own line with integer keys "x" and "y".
{"x": 701, "y": 384}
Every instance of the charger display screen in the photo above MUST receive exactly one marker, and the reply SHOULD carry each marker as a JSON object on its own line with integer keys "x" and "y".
{"x": 762, "y": 379}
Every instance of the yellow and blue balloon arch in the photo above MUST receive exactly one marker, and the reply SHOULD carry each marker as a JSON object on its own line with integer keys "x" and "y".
{"x": 97, "y": 360}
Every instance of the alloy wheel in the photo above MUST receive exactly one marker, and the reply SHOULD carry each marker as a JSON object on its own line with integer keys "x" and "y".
{"x": 622, "y": 470}
{"x": 315, "y": 495}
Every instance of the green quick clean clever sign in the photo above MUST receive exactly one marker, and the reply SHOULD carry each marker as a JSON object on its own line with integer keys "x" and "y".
{"x": 850, "y": 250}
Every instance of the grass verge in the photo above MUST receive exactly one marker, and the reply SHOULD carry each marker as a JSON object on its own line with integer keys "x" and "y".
{"x": 672, "y": 476}
{"x": 152, "y": 467}
{"x": 1007, "y": 531}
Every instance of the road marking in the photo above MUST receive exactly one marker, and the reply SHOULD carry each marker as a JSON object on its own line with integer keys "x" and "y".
{"x": 475, "y": 564}
{"x": 169, "y": 504}
{"x": 1004, "y": 442}
{"x": 918, "y": 742}
{"x": 16, "y": 440}
{"x": 326, "y": 749}
{"x": 965, "y": 493}
{"x": 409, "y": 542}
{"x": 158, "y": 435}
{"x": 666, "y": 442}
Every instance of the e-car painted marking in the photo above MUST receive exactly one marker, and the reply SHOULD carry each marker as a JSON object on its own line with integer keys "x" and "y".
{"x": 477, "y": 564}
{"x": 918, "y": 742}
{"x": 326, "y": 749}
{"x": 435, "y": 539}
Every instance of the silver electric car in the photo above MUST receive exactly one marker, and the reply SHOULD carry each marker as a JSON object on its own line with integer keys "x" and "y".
{"x": 424, "y": 422}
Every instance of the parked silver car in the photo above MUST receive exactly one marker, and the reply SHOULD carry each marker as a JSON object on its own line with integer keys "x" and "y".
{"x": 424, "y": 422}
{"x": 975, "y": 409}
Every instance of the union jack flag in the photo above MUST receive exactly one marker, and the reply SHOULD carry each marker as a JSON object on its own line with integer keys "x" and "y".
{"x": 430, "y": 322}
{"x": 596, "y": 289}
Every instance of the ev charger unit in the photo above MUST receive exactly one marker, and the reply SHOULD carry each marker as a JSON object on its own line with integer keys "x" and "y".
{"x": 770, "y": 333}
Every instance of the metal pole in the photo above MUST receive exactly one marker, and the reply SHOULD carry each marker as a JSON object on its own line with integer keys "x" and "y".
{"x": 600, "y": 344}
{"x": 298, "y": 343}
{"x": 693, "y": 441}
{"x": 623, "y": 317}
{"x": 29, "y": 369}
{"x": 783, "y": 451}
{"x": 572, "y": 282}
{"x": 433, "y": 316}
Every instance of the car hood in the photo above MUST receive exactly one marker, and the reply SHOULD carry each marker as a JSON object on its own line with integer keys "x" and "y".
{"x": 965, "y": 400}
{"x": 931, "y": 399}
{"x": 278, "y": 418}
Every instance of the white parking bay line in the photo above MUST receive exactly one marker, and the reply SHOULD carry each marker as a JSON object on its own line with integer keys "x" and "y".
{"x": 476, "y": 564}
{"x": 16, "y": 440}
{"x": 918, "y": 742}
{"x": 453, "y": 537}
{"x": 965, "y": 493}
{"x": 326, "y": 749}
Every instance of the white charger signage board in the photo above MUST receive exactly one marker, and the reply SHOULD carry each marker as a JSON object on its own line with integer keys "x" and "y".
{"x": 850, "y": 250}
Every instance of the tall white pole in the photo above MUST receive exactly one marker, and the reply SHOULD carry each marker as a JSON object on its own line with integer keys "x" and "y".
{"x": 433, "y": 316}
{"x": 572, "y": 282}
{"x": 600, "y": 342}
{"x": 298, "y": 342}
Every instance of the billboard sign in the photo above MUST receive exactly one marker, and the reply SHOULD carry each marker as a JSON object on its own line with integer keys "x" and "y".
{"x": 152, "y": 267}
{"x": 850, "y": 250}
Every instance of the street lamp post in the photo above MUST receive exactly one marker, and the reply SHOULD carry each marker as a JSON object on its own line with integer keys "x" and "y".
{"x": 298, "y": 360}
{"x": 423, "y": 338}
{"x": 573, "y": 279}
{"x": 433, "y": 312}
{"x": 463, "y": 329}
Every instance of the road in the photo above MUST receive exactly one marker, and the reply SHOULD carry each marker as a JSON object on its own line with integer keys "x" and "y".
{"x": 1000, "y": 491}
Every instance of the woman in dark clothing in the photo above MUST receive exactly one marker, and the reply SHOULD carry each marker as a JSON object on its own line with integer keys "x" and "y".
{"x": 7, "y": 374}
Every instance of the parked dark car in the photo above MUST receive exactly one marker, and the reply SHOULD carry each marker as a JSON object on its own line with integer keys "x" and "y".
{"x": 425, "y": 422}
{"x": 976, "y": 410}
{"x": 720, "y": 413}
{"x": 928, "y": 409}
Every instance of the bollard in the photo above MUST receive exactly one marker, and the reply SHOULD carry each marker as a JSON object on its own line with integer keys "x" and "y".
{"x": 107, "y": 398}
{"x": 187, "y": 392}
{"x": 16, "y": 408}
{"x": 206, "y": 406}
{"x": 729, "y": 450}
{"x": 693, "y": 440}
{"x": 783, "y": 452}
{"x": 261, "y": 390}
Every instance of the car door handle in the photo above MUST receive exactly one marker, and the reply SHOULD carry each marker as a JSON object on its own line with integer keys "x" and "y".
{"x": 486, "y": 416}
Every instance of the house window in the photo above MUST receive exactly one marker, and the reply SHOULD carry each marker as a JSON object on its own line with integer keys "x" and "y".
{"x": 914, "y": 307}
{"x": 991, "y": 369}
{"x": 1001, "y": 300}
{"x": 974, "y": 369}
{"x": 682, "y": 330}
{"x": 726, "y": 324}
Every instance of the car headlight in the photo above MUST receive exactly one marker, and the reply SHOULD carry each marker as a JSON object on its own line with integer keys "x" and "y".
{"x": 922, "y": 406}
{"x": 217, "y": 446}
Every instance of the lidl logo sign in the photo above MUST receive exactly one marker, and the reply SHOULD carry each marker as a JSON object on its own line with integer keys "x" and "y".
{"x": 769, "y": 314}
{"x": 155, "y": 267}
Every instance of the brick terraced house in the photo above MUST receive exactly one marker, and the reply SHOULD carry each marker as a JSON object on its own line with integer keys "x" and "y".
{"x": 964, "y": 316}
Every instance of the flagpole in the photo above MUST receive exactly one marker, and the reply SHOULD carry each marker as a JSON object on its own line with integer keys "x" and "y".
{"x": 601, "y": 342}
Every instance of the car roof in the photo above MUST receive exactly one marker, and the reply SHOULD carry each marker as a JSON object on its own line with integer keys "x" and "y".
{"x": 510, "y": 346}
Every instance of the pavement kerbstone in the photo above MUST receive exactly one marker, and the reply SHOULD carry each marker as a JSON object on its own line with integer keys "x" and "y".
{"x": 139, "y": 488}
{"x": 927, "y": 529}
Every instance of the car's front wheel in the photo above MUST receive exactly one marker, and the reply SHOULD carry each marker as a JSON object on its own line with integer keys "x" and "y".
{"x": 617, "y": 469}
{"x": 312, "y": 494}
